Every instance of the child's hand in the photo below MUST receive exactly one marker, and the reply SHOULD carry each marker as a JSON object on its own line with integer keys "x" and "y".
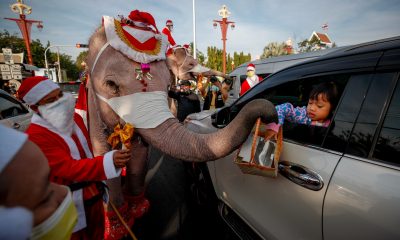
{"x": 271, "y": 134}
{"x": 121, "y": 157}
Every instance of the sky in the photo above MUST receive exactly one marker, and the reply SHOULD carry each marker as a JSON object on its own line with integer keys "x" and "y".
{"x": 257, "y": 22}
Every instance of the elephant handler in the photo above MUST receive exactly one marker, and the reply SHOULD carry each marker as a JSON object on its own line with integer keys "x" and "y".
{"x": 63, "y": 138}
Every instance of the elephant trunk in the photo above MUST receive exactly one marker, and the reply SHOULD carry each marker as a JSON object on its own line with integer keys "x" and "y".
{"x": 179, "y": 142}
{"x": 212, "y": 72}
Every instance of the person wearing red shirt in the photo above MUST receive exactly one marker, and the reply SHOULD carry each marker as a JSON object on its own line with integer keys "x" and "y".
{"x": 251, "y": 80}
{"x": 63, "y": 138}
{"x": 168, "y": 32}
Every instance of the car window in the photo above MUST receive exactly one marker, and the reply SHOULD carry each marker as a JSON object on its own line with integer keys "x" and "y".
{"x": 388, "y": 144}
{"x": 347, "y": 112}
{"x": 10, "y": 107}
{"x": 297, "y": 93}
{"x": 362, "y": 137}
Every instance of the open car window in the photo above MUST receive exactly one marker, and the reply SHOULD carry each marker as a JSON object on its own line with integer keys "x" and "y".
{"x": 297, "y": 93}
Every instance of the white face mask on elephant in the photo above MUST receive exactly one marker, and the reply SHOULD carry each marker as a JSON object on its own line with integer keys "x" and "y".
{"x": 143, "y": 110}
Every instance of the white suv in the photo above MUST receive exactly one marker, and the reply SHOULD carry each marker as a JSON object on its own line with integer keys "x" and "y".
{"x": 13, "y": 113}
{"x": 340, "y": 182}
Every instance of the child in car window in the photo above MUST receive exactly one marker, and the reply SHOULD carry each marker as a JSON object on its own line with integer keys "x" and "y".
{"x": 318, "y": 112}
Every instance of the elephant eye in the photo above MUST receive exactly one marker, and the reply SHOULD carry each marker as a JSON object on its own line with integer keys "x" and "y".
{"x": 112, "y": 86}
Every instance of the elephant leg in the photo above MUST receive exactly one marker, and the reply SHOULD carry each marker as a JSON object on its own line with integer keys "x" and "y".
{"x": 135, "y": 179}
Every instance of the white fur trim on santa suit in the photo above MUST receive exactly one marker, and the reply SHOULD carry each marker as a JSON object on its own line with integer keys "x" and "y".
{"x": 252, "y": 81}
{"x": 117, "y": 39}
{"x": 143, "y": 110}
{"x": 78, "y": 195}
{"x": 11, "y": 142}
{"x": 39, "y": 91}
{"x": 15, "y": 223}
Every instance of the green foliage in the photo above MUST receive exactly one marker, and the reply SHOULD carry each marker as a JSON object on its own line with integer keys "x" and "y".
{"x": 214, "y": 59}
{"x": 81, "y": 58}
{"x": 274, "y": 49}
{"x": 199, "y": 55}
{"x": 17, "y": 45}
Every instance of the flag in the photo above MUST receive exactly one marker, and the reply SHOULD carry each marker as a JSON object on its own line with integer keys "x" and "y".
{"x": 325, "y": 26}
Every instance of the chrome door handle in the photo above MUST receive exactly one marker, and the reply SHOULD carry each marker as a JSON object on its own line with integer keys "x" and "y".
{"x": 16, "y": 125}
{"x": 301, "y": 175}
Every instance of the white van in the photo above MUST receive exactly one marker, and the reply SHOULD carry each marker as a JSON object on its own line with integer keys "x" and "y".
{"x": 267, "y": 66}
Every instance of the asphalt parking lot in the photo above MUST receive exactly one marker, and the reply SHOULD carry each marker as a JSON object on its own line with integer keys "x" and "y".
{"x": 173, "y": 215}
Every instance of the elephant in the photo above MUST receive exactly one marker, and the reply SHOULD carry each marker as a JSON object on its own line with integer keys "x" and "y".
{"x": 113, "y": 76}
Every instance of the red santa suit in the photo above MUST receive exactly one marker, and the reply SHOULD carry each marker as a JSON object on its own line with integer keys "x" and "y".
{"x": 249, "y": 83}
{"x": 70, "y": 159}
{"x": 168, "y": 33}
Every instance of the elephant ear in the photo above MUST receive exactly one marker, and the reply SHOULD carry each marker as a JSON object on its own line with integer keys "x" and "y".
{"x": 136, "y": 38}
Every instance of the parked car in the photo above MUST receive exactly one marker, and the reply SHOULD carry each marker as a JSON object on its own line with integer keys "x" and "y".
{"x": 267, "y": 66}
{"x": 355, "y": 161}
{"x": 13, "y": 113}
{"x": 71, "y": 87}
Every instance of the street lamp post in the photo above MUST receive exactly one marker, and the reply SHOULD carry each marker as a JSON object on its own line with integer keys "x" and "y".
{"x": 24, "y": 24}
{"x": 224, "y": 23}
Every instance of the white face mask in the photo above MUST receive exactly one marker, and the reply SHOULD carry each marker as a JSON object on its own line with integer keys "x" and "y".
{"x": 60, "y": 224}
{"x": 142, "y": 110}
{"x": 60, "y": 113}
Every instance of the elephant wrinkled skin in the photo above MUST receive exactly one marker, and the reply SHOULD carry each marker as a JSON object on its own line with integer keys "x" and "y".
{"x": 114, "y": 75}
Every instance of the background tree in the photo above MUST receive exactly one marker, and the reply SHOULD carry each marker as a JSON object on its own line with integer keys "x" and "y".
{"x": 274, "y": 49}
{"x": 214, "y": 59}
{"x": 81, "y": 58}
{"x": 17, "y": 45}
{"x": 199, "y": 55}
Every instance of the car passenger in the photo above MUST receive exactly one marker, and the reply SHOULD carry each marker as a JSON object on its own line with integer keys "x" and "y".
{"x": 321, "y": 103}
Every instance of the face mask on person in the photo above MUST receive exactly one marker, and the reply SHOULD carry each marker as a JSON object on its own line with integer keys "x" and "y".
{"x": 171, "y": 28}
{"x": 60, "y": 113}
{"x": 214, "y": 88}
{"x": 60, "y": 224}
{"x": 250, "y": 74}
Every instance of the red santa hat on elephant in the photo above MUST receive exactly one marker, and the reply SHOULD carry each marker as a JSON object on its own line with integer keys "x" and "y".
{"x": 137, "y": 38}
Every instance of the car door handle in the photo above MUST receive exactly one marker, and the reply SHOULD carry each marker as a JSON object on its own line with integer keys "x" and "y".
{"x": 16, "y": 125}
{"x": 301, "y": 175}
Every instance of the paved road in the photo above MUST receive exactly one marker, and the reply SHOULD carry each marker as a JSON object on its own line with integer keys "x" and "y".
{"x": 172, "y": 214}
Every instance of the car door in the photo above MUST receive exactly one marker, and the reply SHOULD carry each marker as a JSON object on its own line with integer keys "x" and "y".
{"x": 362, "y": 201}
{"x": 288, "y": 207}
{"x": 13, "y": 113}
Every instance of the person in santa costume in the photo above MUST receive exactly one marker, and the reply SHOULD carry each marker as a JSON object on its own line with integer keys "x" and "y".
{"x": 169, "y": 26}
{"x": 62, "y": 136}
{"x": 31, "y": 207}
{"x": 251, "y": 80}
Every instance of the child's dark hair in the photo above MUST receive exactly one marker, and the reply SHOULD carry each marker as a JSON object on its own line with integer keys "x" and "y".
{"x": 328, "y": 90}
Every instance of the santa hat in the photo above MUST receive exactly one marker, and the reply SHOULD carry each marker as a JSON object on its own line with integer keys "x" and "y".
{"x": 251, "y": 67}
{"x": 15, "y": 222}
{"x": 11, "y": 141}
{"x": 169, "y": 22}
{"x": 138, "y": 38}
{"x": 33, "y": 89}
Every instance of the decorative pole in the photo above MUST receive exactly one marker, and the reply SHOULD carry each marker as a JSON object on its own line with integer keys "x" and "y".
{"x": 24, "y": 24}
{"x": 224, "y": 23}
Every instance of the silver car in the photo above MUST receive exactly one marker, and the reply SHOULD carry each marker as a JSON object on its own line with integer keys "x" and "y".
{"x": 336, "y": 182}
{"x": 13, "y": 113}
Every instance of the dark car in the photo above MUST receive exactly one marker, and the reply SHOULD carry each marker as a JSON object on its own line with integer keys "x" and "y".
{"x": 71, "y": 87}
{"x": 355, "y": 161}
{"x": 13, "y": 113}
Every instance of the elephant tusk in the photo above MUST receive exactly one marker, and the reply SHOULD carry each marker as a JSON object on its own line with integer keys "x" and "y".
{"x": 151, "y": 172}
